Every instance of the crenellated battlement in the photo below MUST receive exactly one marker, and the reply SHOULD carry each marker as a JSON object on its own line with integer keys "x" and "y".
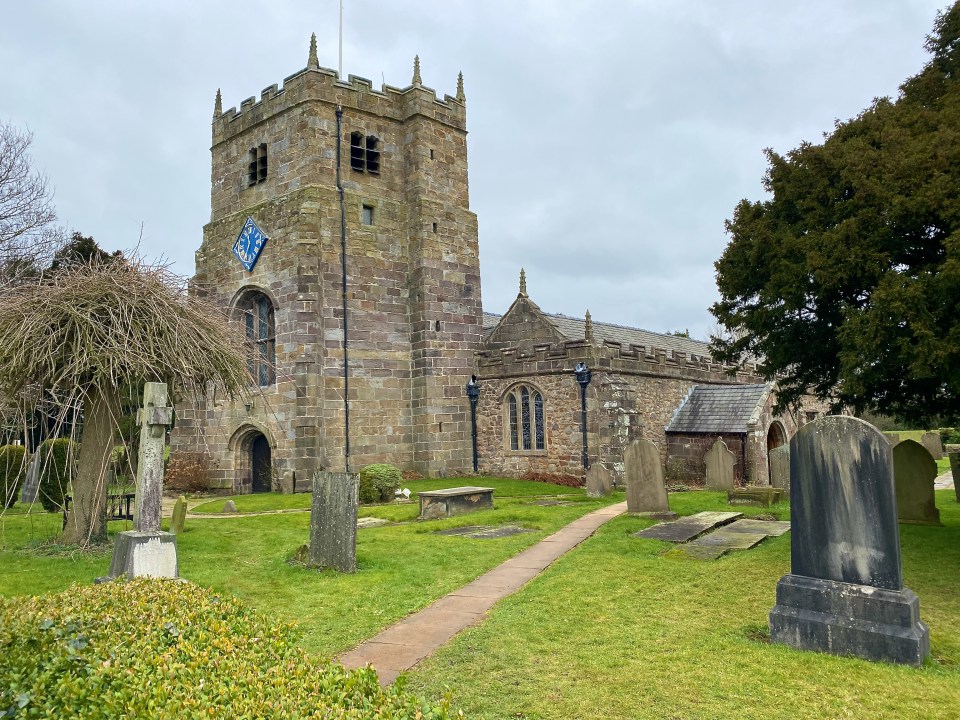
{"x": 610, "y": 356}
{"x": 319, "y": 84}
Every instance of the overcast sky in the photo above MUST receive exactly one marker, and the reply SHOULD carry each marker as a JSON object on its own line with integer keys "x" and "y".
{"x": 608, "y": 140}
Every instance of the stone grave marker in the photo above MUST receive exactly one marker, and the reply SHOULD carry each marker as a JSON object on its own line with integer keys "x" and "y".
{"x": 914, "y": 471}
{"x": 894, "y": 438}
{"x": 229, "y": 507}
{"x": 845, "y": 594}
{"x": 931, "y": 441}
{"x": 179, "y": 517}
{"x": 599, "y": 481}
{"x": 955, "y": 471}
{"x": 31, "y": 482}
{"x": 780, "y": 468}
{"x": 719, "y": 461}
{"x": 146, "y": 550}
{"x": 646, "y": 492}
{"x": 333, "y": 521}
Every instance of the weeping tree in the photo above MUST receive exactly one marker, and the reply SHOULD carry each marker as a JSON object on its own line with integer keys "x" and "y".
{"x": 83, "y": 333}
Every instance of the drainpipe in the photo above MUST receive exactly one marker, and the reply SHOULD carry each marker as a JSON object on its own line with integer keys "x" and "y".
{"x": 343, "y": 266}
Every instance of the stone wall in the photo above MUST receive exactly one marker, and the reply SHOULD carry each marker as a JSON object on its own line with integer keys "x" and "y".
{"x": 685, "y": 453}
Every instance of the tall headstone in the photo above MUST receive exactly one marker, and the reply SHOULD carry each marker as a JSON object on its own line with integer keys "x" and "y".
{"x": 780, "y": 468}
{"x": 931, "y": 441}
{"x": 333, "y": 521}
{"x": 146, "y": 550}
{"x": 955, "y": 471}
{"x": 646, "y": 492}
{"x": 179, "y": 518}
{"x": 845, "y": 594}
{"x": 914, "y": 471}
{"x": 31, "y": 484}
{"x": 719, "y": 461}
{"x": 599, "y": 481}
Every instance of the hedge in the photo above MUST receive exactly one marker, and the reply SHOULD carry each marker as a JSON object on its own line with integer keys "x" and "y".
{"x": 378, "y": 482}
{"x": 13, "y": 471}
{"x": 55, "y": 474}
{"x": 153, "y": 648}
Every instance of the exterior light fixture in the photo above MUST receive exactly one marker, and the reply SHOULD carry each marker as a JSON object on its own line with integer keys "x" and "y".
{"x": 583, "y": 377}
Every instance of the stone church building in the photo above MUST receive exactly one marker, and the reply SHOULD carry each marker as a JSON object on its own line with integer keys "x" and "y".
{"x": 341, "y": 239}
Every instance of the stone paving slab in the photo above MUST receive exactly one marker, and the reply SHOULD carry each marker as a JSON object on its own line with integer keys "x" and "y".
{"x": 772, "y": 528}
{"x": 689, "y": 527}
{"x": 404, "y": 644}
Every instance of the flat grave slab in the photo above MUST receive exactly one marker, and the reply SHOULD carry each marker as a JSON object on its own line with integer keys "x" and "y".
{"x": 484, "y": 532}
{"x": 771, "y": 528}
{"x": 723, "y": 537}
{"x": 369, "y": 522}
{"x": 699, "y": 552}
{"x": 687, "y": 528}
{"x": 549, "y": 503}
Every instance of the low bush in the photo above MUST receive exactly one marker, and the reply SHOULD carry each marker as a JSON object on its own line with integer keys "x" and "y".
{"x": 553, "y": 478}
{"x": 187, "y": 472}
{"x": 378, "y": 482}
{"x": 152, "y": 648}
{"x": 950, "y": 436}
{"x": 13, "y": 470}
{"x": 58, "y": 459}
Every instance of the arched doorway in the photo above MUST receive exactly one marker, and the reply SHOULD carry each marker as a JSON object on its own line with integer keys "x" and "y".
{"x": 260, "y": 466}
{"x": 776, "y": 437}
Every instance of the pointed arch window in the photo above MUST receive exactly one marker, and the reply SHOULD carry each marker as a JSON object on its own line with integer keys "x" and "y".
{"x": 525, "y": 421}
{"x": 260, "y": 329}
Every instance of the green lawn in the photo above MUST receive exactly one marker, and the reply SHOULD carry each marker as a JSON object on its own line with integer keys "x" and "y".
{"x": 503, "y": 488}
{"x": 613, "y": 629}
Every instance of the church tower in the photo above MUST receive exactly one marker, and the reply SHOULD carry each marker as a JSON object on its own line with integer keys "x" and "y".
{"x": 373, "y": 374}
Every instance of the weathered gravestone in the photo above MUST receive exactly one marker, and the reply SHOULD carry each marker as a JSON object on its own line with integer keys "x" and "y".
{"x": 845, "y": 594}
{"x": 780, "y": 468}
{"x": 599, "y": 481}
{"x": 333, "y": 521}
{"x": 229, "y": 507}
{"x": 646, "y": 492}
{"x": 955, "y": 471}
{"x": 32, "y": 481}
{"x": 894, "y": 438}
{"x": 146, "y": 550}
{"x": 179, "y": 518}
{"x": 931, "y": 441}
{"x": 914, "y": 471}
{"x": 719, "y": 461}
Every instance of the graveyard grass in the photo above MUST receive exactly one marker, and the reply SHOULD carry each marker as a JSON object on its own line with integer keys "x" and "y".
{"x": 615, "y": 629}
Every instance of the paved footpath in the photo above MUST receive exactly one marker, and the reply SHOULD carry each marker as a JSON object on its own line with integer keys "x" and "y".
{"x": 401, "y": 646}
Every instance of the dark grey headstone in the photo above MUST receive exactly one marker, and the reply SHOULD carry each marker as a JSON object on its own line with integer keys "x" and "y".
{"x": 955, "y": 471}
{"x": 644, "y": 478}
{"x": 845, "y": 593}
{"x": 931, "y": 441}
{"x": 333, "y": 521}
{"x": 914, "y": 471}
{"x": 599, "y": 481}
{"x": 719, "y": 463}
{"x": 780, "y": 468}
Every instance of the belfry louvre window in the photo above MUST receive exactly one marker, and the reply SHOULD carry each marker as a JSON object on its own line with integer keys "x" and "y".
{"x": 364, "y": 153}
{"x": 257, "y": 165}
{"x": 525, "y": 422}
{"x": 258, "y": 321}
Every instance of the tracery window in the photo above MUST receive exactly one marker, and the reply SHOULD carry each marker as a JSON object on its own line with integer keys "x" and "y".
{"x": 260, "y": 328}
{"x": 364, "y": 153}
{"x": 525, "y": 419}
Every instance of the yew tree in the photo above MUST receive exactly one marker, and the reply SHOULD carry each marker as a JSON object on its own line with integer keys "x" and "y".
{"x": 845, "y": 282}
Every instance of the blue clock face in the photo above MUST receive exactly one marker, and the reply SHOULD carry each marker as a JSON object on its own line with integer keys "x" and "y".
{"x": 249, "y": 244}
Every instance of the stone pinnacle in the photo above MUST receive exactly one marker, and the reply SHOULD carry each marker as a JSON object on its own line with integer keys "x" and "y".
{"x": 312, "y": 62}
{"x": 218, "y": 105}
{"x": 416, "y": 70}
{"x": 460, "y": 95}
{"x": 523, "y": 283}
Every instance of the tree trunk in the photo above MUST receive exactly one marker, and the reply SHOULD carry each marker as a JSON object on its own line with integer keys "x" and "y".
{"x": 87, "y": 520}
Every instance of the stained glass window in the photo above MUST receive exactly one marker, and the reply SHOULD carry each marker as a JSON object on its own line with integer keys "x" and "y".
{"x": 260, "y": 330}
{"x": 525, "y": 419}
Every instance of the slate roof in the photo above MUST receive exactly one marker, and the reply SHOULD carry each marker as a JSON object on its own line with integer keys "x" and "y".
{"x": 573, "y": 328}
{"x": 715, "y": 409}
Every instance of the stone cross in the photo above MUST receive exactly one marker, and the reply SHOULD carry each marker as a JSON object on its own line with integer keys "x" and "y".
{"x": 643, "y": 471}
{"x": 154, "y": 419}
{"x": 845, "y": 593}
{"x": 333, "y": 521}
{"x": 719, "y": 463}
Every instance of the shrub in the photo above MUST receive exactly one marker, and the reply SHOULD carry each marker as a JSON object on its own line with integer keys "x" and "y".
{"x": 153, "y": 648}
{"x": 378, "y": 482}
{"x": 13, "y": 470}
{"x": 57, "y": 467}
{"x": 554, "y": 478}
{"x": 950, "y": 436}
{"x": 188, "y": 472}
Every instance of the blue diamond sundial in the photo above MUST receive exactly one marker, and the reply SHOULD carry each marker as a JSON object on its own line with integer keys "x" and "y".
{"x": 249, "y": 244}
